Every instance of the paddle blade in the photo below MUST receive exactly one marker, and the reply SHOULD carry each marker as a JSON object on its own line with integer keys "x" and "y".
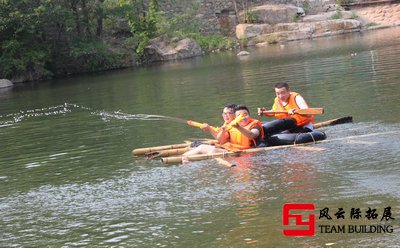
{"x": 310, "y": 111}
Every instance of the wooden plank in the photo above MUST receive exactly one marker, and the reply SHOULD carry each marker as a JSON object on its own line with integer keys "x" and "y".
{"x": 309, "y": 111}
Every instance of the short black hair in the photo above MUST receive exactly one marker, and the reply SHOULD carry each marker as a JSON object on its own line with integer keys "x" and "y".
{"x": 242, "y": 107}
{"x": 282, "y": 85}
{"x": 230, "y": 105}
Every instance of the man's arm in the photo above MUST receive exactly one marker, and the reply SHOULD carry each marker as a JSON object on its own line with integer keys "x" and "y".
{"x": 252, "y": 134}
{"x": 208, "y": 128}
{"x": 223, "y": 136}
{"x": 260, "y": 111}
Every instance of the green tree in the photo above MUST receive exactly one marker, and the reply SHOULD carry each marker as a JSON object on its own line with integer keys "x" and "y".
{"x": 151, "y": 18}
{"x": 39, "y": 38}
{"x": 22, "y": 40}
{"x": 43, "y": 36}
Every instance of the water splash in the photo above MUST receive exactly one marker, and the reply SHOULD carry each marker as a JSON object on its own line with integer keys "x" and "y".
{"x": 14, "y": 118}
{"x": 107, "y": 116}
{"x": 17, "y": 117}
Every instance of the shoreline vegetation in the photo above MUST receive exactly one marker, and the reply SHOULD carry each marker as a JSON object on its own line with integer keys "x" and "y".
{"x": 51, "y": 39}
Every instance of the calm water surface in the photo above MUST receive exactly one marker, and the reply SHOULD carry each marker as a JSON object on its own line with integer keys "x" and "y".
{"x": 67, "y": 178}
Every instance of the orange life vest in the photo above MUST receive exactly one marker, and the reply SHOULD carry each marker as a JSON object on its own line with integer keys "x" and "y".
{"x": 239, "y": 141}
{"x": 300, "y": 119}
{"x": 218, "y": 129}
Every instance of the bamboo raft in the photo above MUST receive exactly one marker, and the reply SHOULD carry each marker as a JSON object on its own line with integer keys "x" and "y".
{"x": 170, "y": 154}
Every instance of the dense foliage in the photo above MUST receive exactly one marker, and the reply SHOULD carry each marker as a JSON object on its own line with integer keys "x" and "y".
{"x": 41, "y": 38}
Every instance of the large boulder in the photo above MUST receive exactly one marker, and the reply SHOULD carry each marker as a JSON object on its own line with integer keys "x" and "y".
{"x": 332, "y": 15}
{"x": 282, "y": 36}
{"x": 313, "y": 7}
{"x": 4, "y": 83}
{"x": 297, "y": 31}
{"x": 294, "y": 31}
{"x": 334, "y": 27}
{"x": 244, "y": 31}
{"x": 162, "y": 50}
{"x": 270, "y": 13}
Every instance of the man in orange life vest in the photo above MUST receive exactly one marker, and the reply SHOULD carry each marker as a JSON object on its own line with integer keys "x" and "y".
{"x": 228, "y": 114}
{"x": 243, "y": 135}
{"x": 290, "y": 101}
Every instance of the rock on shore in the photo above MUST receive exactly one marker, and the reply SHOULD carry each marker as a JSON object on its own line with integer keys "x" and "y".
{"x": 272, "y": 23}
{"x": 5, "y": 83}
{"x": 161, "y": 50}
{"x": 270, "y": 13}
{"x": 294, "y": 31}
{"x": 380, "y": 15}
{"x": 295, "y": 27}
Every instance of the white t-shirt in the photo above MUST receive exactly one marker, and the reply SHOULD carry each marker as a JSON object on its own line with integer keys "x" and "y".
{"x": 302, "y": 105}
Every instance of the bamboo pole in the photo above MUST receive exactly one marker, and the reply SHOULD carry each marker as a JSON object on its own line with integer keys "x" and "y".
{"x": 141, "y": 151}
{"x": 342, "y": 120}
{"x": 197, "y": 157}
{"x": 309, "y": 148}
{"x": 166, "y": 153}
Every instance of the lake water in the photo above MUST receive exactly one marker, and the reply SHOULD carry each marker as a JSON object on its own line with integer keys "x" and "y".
{"x": 68, "y": 179}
